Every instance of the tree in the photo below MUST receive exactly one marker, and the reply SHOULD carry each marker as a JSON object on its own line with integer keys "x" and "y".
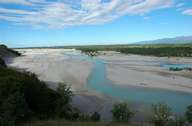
{"x": 23, "y": 95}
{"x": 65, "y": 91}
{"x": 64, "y": 109}
{"x": 161, "y": 114}
{"x": 121, "y": 112}
{"x": 13, "y": 106}
{"x": 95, "y": 116}
{"x": 188, "y": 114}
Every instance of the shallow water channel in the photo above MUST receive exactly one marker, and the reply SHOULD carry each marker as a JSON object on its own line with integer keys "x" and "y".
{"x": 98, "y": 81}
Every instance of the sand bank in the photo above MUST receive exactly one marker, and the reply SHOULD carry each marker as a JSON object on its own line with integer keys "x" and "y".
{"x": 146, "y": 71}
{"x": 54, "y": 66}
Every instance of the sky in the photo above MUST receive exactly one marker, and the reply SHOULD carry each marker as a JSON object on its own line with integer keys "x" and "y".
{"x": 33, "y": 23}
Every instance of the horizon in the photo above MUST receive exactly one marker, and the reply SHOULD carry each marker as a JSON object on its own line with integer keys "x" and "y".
{"x": 47, "y": 23}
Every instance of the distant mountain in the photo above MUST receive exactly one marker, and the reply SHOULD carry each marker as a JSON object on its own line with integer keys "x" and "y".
{"x": 176, "y": 40}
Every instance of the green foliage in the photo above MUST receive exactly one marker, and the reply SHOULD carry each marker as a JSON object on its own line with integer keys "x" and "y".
{"x": 159, "y": 51}
{"x": 12, "y": 103}
{"x": 2, "y": 63}
{"x": 89, "y": 51}
{"x": 188, "y": 114}
{"x": 154, "y": 50}
{"x": 62, "y": 122}
{"x": 65, "y": 91}
{"x": 23, "y": 96}
{"x": 95, "y": 116}
{"x": 121, "y": 112}
{"x": 63, "y": 108}
{"x": 161, "y": 114}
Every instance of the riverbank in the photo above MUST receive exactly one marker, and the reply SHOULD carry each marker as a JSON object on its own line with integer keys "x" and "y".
{"x": 147, "y": 72}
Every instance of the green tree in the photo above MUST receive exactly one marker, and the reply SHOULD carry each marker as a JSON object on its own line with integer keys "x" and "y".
{"x": 188, "y": 114}
{"x": 64, "y": 109}
{"x": 161, "y": 114}
{"x": 65, "y": 91}
{"x": 121, "y": 112}
{"x": 13, "y": 106}
{"x": 23, "y": 95}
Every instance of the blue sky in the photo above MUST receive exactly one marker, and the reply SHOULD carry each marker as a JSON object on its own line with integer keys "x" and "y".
{"x": 26, "y": 23}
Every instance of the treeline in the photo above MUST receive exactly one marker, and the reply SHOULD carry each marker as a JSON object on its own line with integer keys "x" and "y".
{"x": 159, "y": 51}
{"x": 154, "y": 50}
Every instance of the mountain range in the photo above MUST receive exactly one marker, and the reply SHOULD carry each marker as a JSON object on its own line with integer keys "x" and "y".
{"x": 176, "y": 40}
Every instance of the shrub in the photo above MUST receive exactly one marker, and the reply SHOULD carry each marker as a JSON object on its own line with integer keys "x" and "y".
{"x": 177, "y": 121}
{"x": 13, "y": 106}
{"x": 65, "y": 91}
{"x": 121, "y": 112}
{"x": 23, "y": 96}
{"x": 161, "y": 114}
{"x": 188, "y": 114}
{"x": 63, "y": 107}
{"x": 95, "y": 116}
{"x": 2, "y": 63}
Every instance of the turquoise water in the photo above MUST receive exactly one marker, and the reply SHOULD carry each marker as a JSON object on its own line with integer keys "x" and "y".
{"x": 98, "y": 81}
{"x": 169, "y": 65}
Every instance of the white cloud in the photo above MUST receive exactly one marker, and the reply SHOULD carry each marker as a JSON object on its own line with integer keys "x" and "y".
{"x": 187, "y": 12}
{"x": 22, "y": 2}
{"x": 78, "y": 12}
{"x": 15, "y": 11}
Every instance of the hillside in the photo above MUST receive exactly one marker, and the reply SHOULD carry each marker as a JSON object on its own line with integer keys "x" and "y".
{"x": 176, "y": 40}
{"x": 6, "y": 52}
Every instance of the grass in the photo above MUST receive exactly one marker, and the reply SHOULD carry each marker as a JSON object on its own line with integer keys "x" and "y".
{"x": 61, "y": 122}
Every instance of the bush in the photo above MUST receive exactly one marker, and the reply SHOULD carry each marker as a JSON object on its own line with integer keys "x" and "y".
{"x": 2, "y": 63}
{"x": 63, "y": 108}
{"x": 177, "y": 121}
{"x": 23, "y": 96}
{"x": 13, "y": 105}
{"x": 161, "y": 114}
{"x": 188, "y": 114}
{"x": 121, "y": 112}
{"x": 95, "y": 116}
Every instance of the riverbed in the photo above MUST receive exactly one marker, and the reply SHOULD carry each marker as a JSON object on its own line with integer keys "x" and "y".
{"x": 101, "y": 81}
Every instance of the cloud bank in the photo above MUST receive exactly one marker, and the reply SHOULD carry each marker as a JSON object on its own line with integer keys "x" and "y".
{"x": 65, "y": 13}
{"x": 187, "y": 12}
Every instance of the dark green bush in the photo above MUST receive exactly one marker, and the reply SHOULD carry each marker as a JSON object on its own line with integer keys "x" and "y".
{"x": 188, "y": 114}
{"x": 121, "y": 112}
{"x": 95, "y": 116}
{"x": 2, "y": 63}
{"x": 23, "y": 96}
{"x": 161, "y": 114}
